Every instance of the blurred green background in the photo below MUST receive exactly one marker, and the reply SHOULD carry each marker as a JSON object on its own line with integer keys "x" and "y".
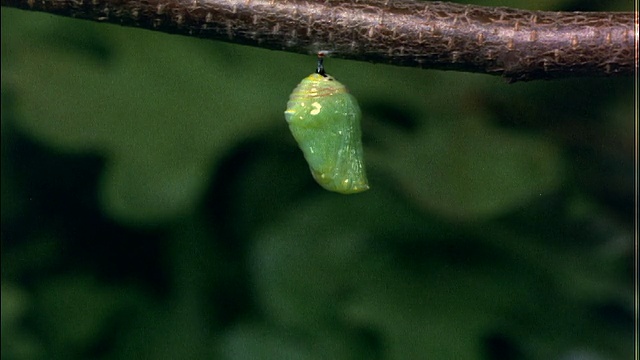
{"x": 155, "y": 206}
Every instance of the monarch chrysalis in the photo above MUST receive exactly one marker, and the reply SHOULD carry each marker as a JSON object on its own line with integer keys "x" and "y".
{"x": 325, "y": 121}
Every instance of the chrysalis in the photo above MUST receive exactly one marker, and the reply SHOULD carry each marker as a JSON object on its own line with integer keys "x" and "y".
{"x": 325, "y": 121}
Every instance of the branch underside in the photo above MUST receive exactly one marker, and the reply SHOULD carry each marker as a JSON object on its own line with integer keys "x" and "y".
{"x": 516, "y": 44}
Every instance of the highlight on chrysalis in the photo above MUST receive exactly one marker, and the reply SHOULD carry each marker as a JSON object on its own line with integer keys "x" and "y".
{"x": 325, "y": 121}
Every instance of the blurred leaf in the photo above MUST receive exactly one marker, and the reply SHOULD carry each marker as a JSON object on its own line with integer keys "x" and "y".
{"x": 17, "y": 341}
{"x": 470, "y": 170}
{"x": 169, "y": 331}
{"x": 74, "y": 311}
{"x": 255, "y": 341}
{"x": 304, "y": 264}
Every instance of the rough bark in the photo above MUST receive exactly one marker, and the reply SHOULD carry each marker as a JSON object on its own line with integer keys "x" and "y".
{"x": 516, "y": 44}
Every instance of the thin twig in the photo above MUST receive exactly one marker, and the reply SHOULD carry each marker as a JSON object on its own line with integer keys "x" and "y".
{"x": 516, "y": 44}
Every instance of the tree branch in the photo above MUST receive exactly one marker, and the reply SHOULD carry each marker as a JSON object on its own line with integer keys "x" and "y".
{"x": 516, "y": 44}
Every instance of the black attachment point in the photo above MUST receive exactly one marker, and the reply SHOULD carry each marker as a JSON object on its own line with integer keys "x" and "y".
{"x": 320, "y": 69}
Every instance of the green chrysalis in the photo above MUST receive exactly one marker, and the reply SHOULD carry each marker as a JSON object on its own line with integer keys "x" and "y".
{"x": 325, "y": 121}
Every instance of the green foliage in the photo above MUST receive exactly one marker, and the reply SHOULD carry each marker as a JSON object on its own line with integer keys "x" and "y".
{"x": 154, "y": 205}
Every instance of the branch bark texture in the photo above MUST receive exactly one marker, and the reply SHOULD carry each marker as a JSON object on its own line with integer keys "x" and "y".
{"x": 516, "y": 44}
